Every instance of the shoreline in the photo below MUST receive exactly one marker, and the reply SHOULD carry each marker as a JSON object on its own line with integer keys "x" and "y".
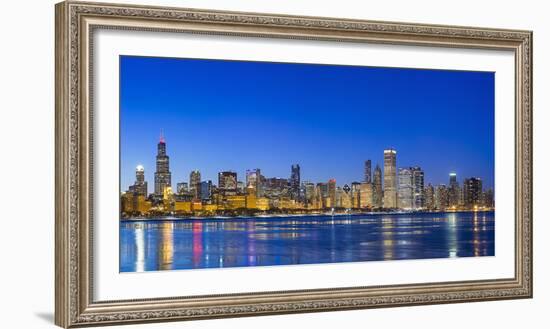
{"x": 276, "y": 216}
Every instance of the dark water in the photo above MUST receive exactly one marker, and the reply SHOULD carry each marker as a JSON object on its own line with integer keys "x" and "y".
{"x": 208, "y": 243}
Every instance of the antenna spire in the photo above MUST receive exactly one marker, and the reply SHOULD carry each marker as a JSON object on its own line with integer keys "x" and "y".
{"x": 162, "y": 140}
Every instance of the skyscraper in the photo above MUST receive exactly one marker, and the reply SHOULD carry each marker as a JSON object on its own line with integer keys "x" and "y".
{"x": 489, "y": 198}
{"x": 356, "y": 194}
{"x": 390, "y": 178}
{"x": 441, "y": 197}
{"x": 454, "y": 190}
{"x": 366, "y": 195}
{"x": 194, "y": 183}
{"x": 294, "y": 181}
{"x": 253, "y": 180}
{"x": 405, "y": 188}
{"x": 182, "y": 188}
{"x": 368, "y": 172}
{"x": 378, "y": 194}
{"x": 332, "y": 191}
{"x": 309, "y": 189}
{"x": 163, "y": 177}
{"x": 419, "y": 198}
{"x": 227, "y": 182}
{"x": 205, "y": 190}
{"x": 473, "y": 192}
{"x": 140, "y": 185}
{"x": 429, "y": 194}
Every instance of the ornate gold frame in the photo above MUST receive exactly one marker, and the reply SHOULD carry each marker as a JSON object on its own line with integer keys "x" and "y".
{"x": 75, "y": 23}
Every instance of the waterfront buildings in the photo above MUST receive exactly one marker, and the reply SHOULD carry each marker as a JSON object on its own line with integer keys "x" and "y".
{"x": 454, "y": 191}
{"x": 378, "y": 192}
{"x": 205, "y": 190}
{"x": 366, "y": 195}
{"x": 182, "y": 187}
{"x": 194, "y": 183}
{"x": 429, "y": 195}
{"x": 163, "y": 176}
{"x": 294, "y": 182}
{"x": 401, "y": 189}
{"x": 473, "y": 192}
{"x": 331, "y": 193}
{"x": 419, "y": 199}
{"x": 254, "y": 181}
{"x": 441, "y": 197}
{"x": 227, "y": 182}
{"x": 405, "y": 189}
{"x": 309, "y": 193}
{"x": 368, "y": 172}
{"x": 390, "y": 179}
{"x": 140, "y": 185}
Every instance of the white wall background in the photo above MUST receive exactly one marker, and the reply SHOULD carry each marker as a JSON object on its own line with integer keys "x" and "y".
{"x": 27, "y": 162}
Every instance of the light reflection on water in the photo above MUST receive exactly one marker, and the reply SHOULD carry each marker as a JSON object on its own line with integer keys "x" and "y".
{"x": 212, "y": 243}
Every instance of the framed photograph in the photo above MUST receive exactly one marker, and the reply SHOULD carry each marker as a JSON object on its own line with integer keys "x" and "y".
{"x": 218, "y": 164}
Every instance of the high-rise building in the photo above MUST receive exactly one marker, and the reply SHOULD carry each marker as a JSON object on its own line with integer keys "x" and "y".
{"x": 441, "y": 197}
{"x": 356, "y": 194}
{"x": 366, "y": 195}
{"x": 294, "y": 182}
{"x": 429, "y": 194}
{"x": 390, "y": 178}
{"x": 405, "y": 189}
{"x": 194, "y": 183}
{"x": 309, "y": 189}
{"x": 163, "y": 176}
{"x": 378, "y": 193}
{"x": 332, "y": 191}
{"x": 473, "y": 192}
{"x": 489, "y": 198}
{"x": 454, "y": 191}
{"x": 227, "y": 182}
{"x": 182, "y": 188}
{"x": 205, "y": 189}
{"x": 368, "y": 172}
{"x": 419, "y": 198}
{"x": 253, "y": 180}
{"x": 140, "y": 185}
{"x": 338, "y": 197}
{"x": 241, "y": 188}
{"x": 346, "y": 200}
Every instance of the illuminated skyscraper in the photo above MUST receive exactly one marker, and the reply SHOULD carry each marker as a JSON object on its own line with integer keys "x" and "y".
{"x": 205, "y": 189}
{"x": 253, "y": 180}
{"x": 194, "y": 183}
{"x": 405, "y": 188}
{"x": 140, "y": 185}
{"x": 390, "y": 178}
{"x": 309, "y": 189}
{"x": 441, "y": 197}
{"x": 419, "y": 199}
{"x": 332, "y": 191}
{"x": 473, "y": 192}
{"x": 163, "y": 177}
{"x": 182, "y": 187}
{"x": 378, "y": 194}
{"x": 489, "y": 198}
{"x": 227, "y": 182}
{"x": 294, "y": 182}
{"x": 356, "y": 194}
{"x": 368, "y": 172}
{"x": 454, "y": 190}
{"x": 429, "y": 194}
{"x": 366, "y": 195}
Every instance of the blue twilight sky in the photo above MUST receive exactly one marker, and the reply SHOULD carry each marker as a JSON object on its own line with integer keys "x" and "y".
{"x": 233, "y": 115}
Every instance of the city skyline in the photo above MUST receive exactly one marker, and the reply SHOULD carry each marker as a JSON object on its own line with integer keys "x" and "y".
{"x": 191, "y": 121}
{"x": 242, "y": 177}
